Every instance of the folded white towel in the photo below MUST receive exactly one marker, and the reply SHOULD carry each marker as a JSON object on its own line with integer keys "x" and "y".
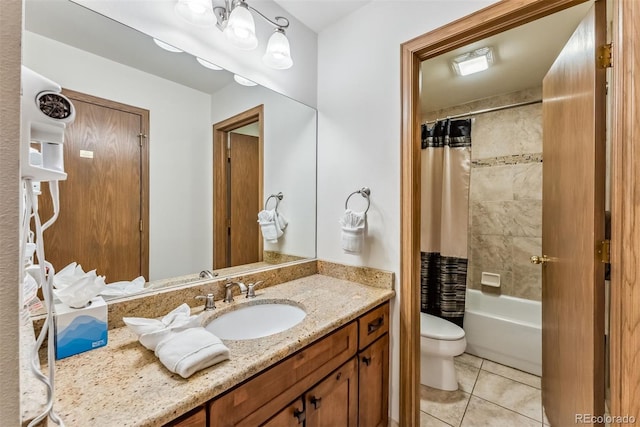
{"x": 124, "y": 287}
{"x": 153, "y": 331}
{"x": 191, "y": 350}
{"x": 353, "y": 224}
{"x": 268, "y": 226}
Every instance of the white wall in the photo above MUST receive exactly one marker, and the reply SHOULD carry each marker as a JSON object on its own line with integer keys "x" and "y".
{"x": 359, "y": 128}
{"x": 289, "y": 159}
{"x": 180, "y": 150}
{"x": 10, "y": 27}
{"x": 157, "y": 19}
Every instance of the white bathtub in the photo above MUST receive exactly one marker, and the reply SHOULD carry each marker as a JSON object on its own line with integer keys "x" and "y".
{"x": 504, "y": 329}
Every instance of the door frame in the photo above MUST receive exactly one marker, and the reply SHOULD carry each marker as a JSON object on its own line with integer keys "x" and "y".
{"x": 220, "y": 134}
{"x": 625, "y": 185}
{"x": 144, "y": 165}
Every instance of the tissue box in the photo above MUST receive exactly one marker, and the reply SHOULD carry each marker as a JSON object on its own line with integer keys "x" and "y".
{"x": 80, "y": 329}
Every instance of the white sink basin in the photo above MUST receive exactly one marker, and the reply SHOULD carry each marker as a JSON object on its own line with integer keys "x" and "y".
{"x": 256, "y": 321}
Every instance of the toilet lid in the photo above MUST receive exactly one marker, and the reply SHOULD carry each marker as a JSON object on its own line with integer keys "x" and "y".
{"x": 440, "y": 329}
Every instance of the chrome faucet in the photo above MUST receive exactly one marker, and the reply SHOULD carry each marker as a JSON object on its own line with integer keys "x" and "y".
{"x": 209, "y": 304}
{"x": 207, "y": 274}
{"x": 251, "y": 288}
{"x": 229, "y": 294}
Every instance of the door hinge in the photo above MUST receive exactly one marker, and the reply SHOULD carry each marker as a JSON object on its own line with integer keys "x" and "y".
{"x": 604, "y": 251}
{"x": 141, "y": 227}
{"x": 605, "y": 59}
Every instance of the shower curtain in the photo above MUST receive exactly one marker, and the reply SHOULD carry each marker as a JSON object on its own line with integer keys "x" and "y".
{"x": 446, "y": 166}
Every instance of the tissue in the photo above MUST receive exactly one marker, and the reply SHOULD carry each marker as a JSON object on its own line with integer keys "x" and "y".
{"x": 78, "y": 291}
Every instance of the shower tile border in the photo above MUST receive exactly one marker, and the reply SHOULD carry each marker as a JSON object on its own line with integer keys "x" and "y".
{"x": 516, "y": 159}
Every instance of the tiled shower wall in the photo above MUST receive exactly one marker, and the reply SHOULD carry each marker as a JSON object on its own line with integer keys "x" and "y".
{"x": 505, "y": 200}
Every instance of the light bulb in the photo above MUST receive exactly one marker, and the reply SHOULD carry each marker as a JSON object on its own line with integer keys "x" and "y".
{"x": 166, "y": 46}
{"x": 208, "y": 64}
{"x": 244, "y": 82}
{"x": 241, "y": 29}
{"x": 278, "y": 53}
{"x": 196, "y": 12}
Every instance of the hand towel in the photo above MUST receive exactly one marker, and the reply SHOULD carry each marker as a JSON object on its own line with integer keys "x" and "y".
{"x": 268, "y": 225}
{"x": 153, "y": 331}
{"x": 124, "y": 287}
{"x": 188, "y": 351}
{"x": 353, "y": 224}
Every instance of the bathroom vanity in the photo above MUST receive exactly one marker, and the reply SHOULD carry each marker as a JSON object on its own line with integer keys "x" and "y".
{"x": 331, "y": 369}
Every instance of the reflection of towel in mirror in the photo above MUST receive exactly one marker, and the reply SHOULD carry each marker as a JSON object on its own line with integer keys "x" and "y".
{"x": 353, "y": 224}
{"x": 188, "y": 351}
{"x": 272, "y": 225}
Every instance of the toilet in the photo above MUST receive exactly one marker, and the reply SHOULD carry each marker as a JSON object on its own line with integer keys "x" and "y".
{"x": 440, "y": 341}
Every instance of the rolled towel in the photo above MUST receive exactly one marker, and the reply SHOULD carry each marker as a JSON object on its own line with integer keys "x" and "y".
{"x": 268, "y": 226}
{"x": 152, "y": 331}
{"x": 188, "y": 351}
{"x": 353, "y": 224}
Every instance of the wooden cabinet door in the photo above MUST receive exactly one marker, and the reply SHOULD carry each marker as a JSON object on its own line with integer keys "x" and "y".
{"x": 334, "y": 401}
{"x": 291, "y": 416}
{"x": 373, "y": 382}
{"x": 195, "y": 418}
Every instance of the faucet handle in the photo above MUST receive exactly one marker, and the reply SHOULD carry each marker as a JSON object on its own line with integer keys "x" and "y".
{"x": 209, "y": 304}
{"x": 251, "y": 292}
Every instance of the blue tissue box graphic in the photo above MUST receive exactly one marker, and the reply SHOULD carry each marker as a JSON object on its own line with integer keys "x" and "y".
{"x": 82, "y": 329}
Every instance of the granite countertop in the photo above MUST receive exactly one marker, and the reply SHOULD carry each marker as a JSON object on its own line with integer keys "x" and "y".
{"x": 124, "y": 384}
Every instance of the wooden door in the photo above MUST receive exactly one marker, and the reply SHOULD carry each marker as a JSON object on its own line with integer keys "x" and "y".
{"x": 101, "y": 203}
{"x": 291, "y": 416}
{"x": 334, "y": 401}
{"x": 373, "y": 382}
{"x": 573, "y": 224}
{"x": 243, "y": 199}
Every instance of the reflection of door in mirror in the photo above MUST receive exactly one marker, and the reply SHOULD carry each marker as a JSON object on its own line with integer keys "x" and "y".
{"x": 103, "y": 202}
{"x": 237, "y": 186}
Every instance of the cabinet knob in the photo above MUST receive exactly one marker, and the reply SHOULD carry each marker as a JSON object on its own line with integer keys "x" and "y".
{"x": 315, "y": 401}
{"x": 301, "y": 415}
{"x": 366, "y": 360}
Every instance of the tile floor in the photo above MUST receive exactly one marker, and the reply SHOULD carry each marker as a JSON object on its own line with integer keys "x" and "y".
{"x": 490, "y": 395}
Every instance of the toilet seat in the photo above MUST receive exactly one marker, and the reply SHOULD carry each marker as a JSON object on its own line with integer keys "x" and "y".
{"x": 440, "y": 329}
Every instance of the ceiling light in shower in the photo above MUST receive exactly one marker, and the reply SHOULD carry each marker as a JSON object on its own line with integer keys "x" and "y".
{"x": 473, "y": 62}
{"x": 166, "y": 46}
{"x": 244, "y": 82}
{"x": 207, "y": 64}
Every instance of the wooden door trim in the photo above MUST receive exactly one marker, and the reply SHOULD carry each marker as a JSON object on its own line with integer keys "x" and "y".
{"x": 625, "y": 233}
{"x": 220, "y": 131}
{"x": 486, "y": 22}
{"x": 144, "y": 165}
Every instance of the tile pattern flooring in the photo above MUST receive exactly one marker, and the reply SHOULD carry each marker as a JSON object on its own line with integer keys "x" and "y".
{"x": 489, "y": 395}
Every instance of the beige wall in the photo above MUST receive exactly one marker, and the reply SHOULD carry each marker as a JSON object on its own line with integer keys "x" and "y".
{"x": 10, "y": 27}
{"x": 505, "y": 200}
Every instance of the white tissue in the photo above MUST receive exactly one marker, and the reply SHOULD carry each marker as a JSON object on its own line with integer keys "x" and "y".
{"x": 80, "y": 291}
{"x": 68, "y": 275}
{"x": 122, "y": 288}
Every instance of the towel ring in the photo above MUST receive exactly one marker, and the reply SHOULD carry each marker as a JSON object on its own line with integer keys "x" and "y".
{"x": 364, "y": 192}
{"x": 278, "y": 197}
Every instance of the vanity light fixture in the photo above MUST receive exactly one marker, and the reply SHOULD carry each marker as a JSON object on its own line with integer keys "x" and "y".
{"x": 207, "y": 64}
{"x": 473, "y": 62}
{"x": 166, "y": 46}
{"x": 236, "y": 21}
{"x": 244, "y": 82}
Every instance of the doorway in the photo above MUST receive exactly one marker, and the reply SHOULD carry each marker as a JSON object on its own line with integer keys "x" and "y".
{"x": 484, "y": 23}
{"x": 104, "y": 203}
{"x": 238, "y": 189}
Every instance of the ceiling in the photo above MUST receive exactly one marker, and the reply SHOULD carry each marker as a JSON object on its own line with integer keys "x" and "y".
{"x": 522, "y": 57}
{"x": 319, "y": 14}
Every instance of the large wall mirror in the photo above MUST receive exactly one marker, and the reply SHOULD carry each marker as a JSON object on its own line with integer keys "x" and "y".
{"x": 102, "y": 61}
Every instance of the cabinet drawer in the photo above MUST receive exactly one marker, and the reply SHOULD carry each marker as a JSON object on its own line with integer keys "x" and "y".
{"x": 195, "y": 418}
{"x": 255, "y": 401}
{"x": 373, "y": 325}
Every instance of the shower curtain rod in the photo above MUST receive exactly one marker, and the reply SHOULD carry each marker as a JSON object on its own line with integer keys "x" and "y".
{"x": 487, "y": 110}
